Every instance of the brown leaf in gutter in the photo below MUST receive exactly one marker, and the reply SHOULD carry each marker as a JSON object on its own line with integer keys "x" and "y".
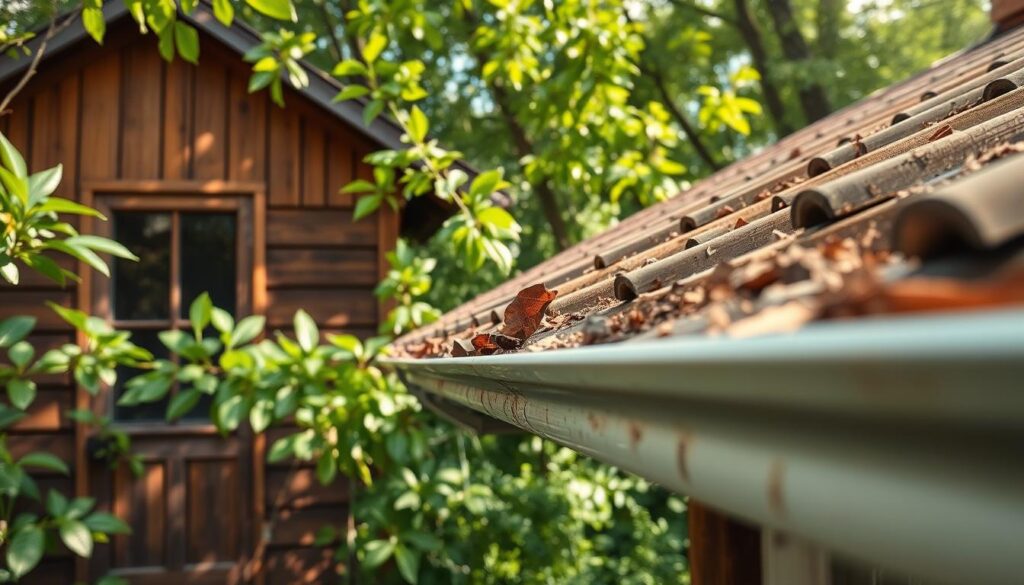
{"x": 491, "y": 343}
{"x": 525, "y": 313}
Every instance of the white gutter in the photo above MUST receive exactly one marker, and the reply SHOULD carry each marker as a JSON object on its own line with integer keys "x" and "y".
{"x": 897, "y": 441}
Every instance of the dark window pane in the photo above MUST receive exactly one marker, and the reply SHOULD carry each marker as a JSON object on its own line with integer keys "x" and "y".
{"x": 142, "y": 289}
{"x": 208, "y": 259}
{"x": 150, "y": 411}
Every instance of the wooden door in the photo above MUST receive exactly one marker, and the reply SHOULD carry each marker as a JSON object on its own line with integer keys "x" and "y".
{"x": 191, "y": 507}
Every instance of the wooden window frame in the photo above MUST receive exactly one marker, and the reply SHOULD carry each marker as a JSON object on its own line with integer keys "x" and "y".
{"x": 247, "y": 200}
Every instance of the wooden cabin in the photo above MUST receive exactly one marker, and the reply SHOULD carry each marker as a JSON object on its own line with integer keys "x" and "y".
{"x": 216, "y": 189}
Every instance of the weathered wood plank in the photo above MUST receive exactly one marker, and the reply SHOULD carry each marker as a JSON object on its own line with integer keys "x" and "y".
{"x": 340, "y": 161}
{"x": 722, "y": 550}
{"x": 247, "y": 131}
{"x": 283, "y": 166}
{"x": 301, "y": 566}
{"x": 141, "y": 131}
{"x": 293, "y": 527}
{"x": 210, "y": 143}
{"x": 101, "y": 102}
{"x": 298, "y": 487}
{"x": 178, "y": 118}
{"x": 331, "y": 308}
{"x": 299, "y": 227}
{"x": 47, "y": 411}
{"x": 320, "y": 267}
{"x": 313, "y": 171}
{"x": 32, "y": 303}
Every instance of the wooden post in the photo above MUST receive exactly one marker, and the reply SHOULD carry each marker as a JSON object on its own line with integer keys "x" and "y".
{"x": 722, "y": 551}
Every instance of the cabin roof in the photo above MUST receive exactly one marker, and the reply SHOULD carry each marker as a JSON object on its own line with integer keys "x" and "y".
{"x": 871, "y": 210}
{"x": 240, "y": 38}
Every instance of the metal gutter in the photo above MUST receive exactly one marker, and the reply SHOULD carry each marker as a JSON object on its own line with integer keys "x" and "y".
{"x": 897, "y": 441}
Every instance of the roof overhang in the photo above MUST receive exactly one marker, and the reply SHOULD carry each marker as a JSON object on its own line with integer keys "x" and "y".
{"x": 896, "y": 441}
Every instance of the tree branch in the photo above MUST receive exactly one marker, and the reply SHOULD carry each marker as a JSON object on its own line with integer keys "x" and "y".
{"x": 813, "y": 98}
{"x": 752, "y": 37}
{"x": 524, "y": 147}
{"x": 51, "y": 30}
{"x": 688, "y": 129}
{"x": 336, "y": 51}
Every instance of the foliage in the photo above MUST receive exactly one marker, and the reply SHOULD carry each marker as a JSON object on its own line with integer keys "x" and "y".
{"x": 582, "y": 110}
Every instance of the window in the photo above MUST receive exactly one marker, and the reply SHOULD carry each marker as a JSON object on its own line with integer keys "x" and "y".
{"x": 181, "y": 255}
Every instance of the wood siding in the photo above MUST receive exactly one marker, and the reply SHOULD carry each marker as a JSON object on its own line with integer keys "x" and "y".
{"x": 120, "y": 113}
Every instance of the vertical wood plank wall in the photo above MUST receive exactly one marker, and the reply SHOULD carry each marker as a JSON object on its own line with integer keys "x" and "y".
{"x": 120, "y": 112}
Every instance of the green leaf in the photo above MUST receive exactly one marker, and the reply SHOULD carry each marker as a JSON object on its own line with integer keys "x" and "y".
{"x": 25, "y": 550}
{"x": 56, "y": 503}
{"x": 106, "y": 523}
{"x": 229, "y": 413}
{"x": 95, "y": 25}
{"x": 372, "y": 110}
{"x": 351, "y": 92}
{"x": 349, "y": 67}
{"x": 408, "y": 562}
{"x": 10, "y": 272}
{"x": 182, "y": 403}
{"x": 306, "y": 332}
{"x": 14, "y": 329}
{"x": 58, "y": 205}
{"x": 418, "y": 124}
{"x": 359, "y": 186}
{"x": 187, "y": 39}
{"x": 422, "y": 540}
{"x": 485, "y": 183}
{"x": 281, "y": 449}
{"x": 16, "y": 185}
{"x": 247, "y": 330}
{"x": 279, "y": 9}
{"x": 11, "y": 158}
{"x": 261, "y": 415}
{"x": 366, "y": 205}
{"x": 326, "y": 469}
{"x": 224, "y": 11}
{"x": 82, "y": 253}
{"x": 44, "y": 461}
{"x": 166, "y": 44}
{"x": 104, "y": 245}
{"x": 374, "y": 46}
{"x": 222, "y": 320}
{"x": 77, "y": 537}
{"x": 44, "y": 183}
{"x": 199, "y": 314}
{"x": 21, "y": 392}
{"x": 21, "y": 354}
{"x": 376, "y": 553}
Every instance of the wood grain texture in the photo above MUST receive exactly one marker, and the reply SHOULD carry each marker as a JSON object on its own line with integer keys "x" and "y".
{"x": 209, "y": 144}
{"x": 299, "y": 227}
{"x": 248, "y": 131}
{"x": 297, "y": 488}
{"x": 319, "y": 267}
{"x": 101, "y": 103}
{"x": 314, "y": 173}
{"x": 141, "y": 113}
{"x": 722, "y": 551}
{"x": 284, "y": 164}
{"x": 331, "y": 308}
{"x": 179, "y": 99}
{"x": 340, "y": 167}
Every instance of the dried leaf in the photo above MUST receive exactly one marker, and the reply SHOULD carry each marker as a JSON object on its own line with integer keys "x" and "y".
{"x": 524, "y": 314}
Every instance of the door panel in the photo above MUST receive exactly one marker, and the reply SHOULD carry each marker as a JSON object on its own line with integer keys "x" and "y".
{"x": 191, "y": 509}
